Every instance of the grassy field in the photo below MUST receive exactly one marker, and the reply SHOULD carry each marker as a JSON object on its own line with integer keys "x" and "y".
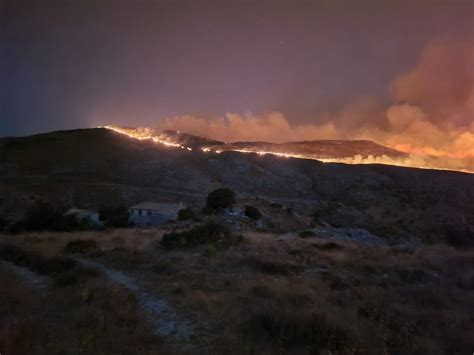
{"x": 264, "y": 293}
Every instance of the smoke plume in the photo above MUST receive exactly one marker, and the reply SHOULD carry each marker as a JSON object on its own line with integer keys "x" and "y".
{"x": 432, "y": 117}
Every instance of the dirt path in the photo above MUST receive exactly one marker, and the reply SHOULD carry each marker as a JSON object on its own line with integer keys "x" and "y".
{"x": 168, "y": 323}
{"x": 38, "y": 282}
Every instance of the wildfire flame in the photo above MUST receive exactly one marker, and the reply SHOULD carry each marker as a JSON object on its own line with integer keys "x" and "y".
{"x": 145, "y": 135}
{"x": 420, "y": 162}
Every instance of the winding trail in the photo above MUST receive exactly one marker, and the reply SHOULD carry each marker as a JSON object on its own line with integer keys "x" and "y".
{"x": 168, "y": 323}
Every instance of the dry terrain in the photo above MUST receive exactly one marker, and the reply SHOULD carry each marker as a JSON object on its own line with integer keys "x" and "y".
{"x": 339, "y": 259}
{"x": 96, "y": 167}
{"x": 267, "y": 293}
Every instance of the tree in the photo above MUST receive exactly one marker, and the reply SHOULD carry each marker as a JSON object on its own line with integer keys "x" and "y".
{"x": 115, "y": 217}
{"x": 252, "y": 212}
{"x": 185, "y": 214}
{"x": 220, "y": 198}
{"x": 43, "y": 216}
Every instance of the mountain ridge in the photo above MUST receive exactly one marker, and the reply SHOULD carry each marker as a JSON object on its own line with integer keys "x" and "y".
{"x": 91, "y": 168}
{"x": 323, "y": 148}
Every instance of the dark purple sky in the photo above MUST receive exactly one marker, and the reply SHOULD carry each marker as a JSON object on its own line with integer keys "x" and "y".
{"x": 79, "y": 63}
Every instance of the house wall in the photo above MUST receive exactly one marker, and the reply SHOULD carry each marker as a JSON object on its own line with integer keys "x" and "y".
{"x": 149, "y": 220}
{"x": 91, "y": 219}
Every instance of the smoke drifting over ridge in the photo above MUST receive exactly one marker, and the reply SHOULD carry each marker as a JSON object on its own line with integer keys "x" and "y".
{"x": 432, "y": 114}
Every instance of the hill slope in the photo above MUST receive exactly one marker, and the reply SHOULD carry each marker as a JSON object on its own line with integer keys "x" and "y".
{"x": 93, "y": 167}
{"x": 318, "y": 149}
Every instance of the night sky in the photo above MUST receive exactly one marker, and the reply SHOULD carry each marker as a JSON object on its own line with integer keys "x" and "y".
{"x": 81, "y": 63}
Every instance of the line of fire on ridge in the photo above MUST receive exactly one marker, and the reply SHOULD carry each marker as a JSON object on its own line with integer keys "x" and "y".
{"x": 384, "y": 160}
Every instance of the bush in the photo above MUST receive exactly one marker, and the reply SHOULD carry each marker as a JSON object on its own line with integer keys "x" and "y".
{"x": 327, "y": 246}
{"x": 63, "y": 270}
{"x": 323, "y": 212}
{"x": 14, "y": 228}
{"x": 81, "y": 246}
{"x": 273, "y": 267}
{"x": 307, "y": 234}
{"x": 43, "y": 216}
{"x": 49, "y": 266}
{"x": 11, "y": 253}
{"x": 36, "y": 262}
{"x": 79, "y": 274}
{"x": 185, "y": 214}
{"x": 262, "y": 291}
{"x": 2, "y": 223}
{"x": 296, "y": 329}
{"x": 252, "y": 212}
{"x": 115, "y": 217}
{"x": 210, "y": 250}
{"x": 220, "y": 198}
{"x": 207, "y": 233}
{"x": 459, "y": 237}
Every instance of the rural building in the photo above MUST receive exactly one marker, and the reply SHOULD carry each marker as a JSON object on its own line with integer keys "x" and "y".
{"x": 84, "y": 217}
{"x": 146, "y": 214}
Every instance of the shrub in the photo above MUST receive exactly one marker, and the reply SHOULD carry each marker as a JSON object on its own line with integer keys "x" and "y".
{"x": 272, "y": 266}
{"x": 49, "y": 266}
{"x": 262, "y": 291}
{"x": 161, "y": 266}
{"x": 10, "y": 252}
{"x": 81, "y": 246}
{"x": 185, "y": 214}
{"x": 220, "y": 198}
{"x": 210, "y": 250}
{"x": 323, "y": 212}
{"x": 208, "y": 233}
{"x": 14, "y": 228}
{"x": 466, "y": 282}
{"x": 78, "y": 274}
{"x": 336, "y": 282}
{"x": 115, "y": 216}
{"x": 327, "y": 246}
{"x": 43, "y": 216}
{"x": 64, "y": 270}
{"x": 70, "y": 223}
{"x": 307, "y": 234}
{"x": 252, "y": 212}
{"x": 296, "y": 329}
{"x": 2, "y": 222}
{"x": 459, "y": 237}
{"x": 36, "y": 262}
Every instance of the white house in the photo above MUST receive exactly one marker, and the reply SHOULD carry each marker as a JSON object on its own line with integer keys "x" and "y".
{"x": 84, "y": 217}
{"x": 146, "y": 214}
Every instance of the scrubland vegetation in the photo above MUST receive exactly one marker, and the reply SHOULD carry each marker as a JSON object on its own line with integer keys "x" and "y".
{"x": 258, "y": 293}
{"x": 239, "y": 290}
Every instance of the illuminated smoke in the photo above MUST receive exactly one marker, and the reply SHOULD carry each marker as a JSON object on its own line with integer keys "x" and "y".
{"x": 432, "y": 118}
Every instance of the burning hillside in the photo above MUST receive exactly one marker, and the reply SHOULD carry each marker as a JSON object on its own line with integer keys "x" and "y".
{"x": 330, "y": 151}
{"x": 429, "y": 118}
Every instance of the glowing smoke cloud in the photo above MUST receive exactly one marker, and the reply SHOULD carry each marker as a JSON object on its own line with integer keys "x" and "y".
{"x": 432, "y": 119}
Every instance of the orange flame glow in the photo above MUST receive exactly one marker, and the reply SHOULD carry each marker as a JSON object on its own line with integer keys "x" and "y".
{"x": 414, "y": 161}
{"x": 145, "y": 134}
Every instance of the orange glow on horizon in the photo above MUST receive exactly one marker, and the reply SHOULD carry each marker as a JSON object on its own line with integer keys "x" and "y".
{"x": 417, "y": 157}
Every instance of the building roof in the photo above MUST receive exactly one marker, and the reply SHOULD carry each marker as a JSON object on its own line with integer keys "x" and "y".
{"x": 159, "y": 207}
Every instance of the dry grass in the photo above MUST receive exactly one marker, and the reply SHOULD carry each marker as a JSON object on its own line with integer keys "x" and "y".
{"x": 82, "y": 312}
{"x": 275, "y": 294}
